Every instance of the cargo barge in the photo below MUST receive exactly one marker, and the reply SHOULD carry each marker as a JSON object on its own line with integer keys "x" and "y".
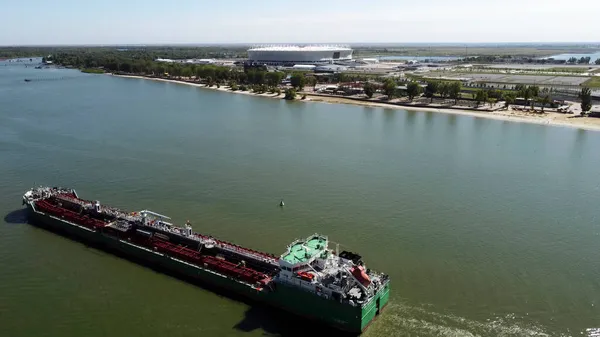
{"x": 309, "y": 279}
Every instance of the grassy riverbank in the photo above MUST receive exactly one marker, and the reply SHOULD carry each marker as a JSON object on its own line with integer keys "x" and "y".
{"x": 92, "y": 71}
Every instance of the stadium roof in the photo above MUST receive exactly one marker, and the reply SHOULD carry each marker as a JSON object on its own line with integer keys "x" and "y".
{"x": 299, "y": 48}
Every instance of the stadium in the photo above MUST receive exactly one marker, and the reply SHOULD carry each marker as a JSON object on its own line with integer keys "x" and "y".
{"x": 291, "y": 55}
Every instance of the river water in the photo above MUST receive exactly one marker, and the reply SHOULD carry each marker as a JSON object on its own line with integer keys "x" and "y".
{"x": 486, "y": 228}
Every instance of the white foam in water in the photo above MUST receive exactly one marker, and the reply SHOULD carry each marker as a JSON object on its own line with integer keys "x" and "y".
{"x": 593, "y": 332}
{"x": 399, "y": 320}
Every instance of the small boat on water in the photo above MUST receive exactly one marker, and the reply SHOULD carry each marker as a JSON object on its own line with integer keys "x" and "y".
{"x": 27, "y": 80}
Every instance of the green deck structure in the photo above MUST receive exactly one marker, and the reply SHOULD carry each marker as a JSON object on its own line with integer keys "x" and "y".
{"x": 303, "y": 251}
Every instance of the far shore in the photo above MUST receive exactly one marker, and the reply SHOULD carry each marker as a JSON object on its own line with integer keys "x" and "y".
{"x": 548, "y": 118}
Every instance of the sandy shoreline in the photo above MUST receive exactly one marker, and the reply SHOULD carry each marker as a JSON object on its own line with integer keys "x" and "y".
{"x": 549, "y": 118}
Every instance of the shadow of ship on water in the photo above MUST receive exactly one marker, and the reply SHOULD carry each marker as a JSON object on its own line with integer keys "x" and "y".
{"x": 281, "y": 323}
{"x": 258, "y": 316}
{"x": 16, "y": 217}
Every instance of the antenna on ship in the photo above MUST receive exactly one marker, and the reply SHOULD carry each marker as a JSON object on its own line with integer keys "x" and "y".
{"x": 188, "y": 228}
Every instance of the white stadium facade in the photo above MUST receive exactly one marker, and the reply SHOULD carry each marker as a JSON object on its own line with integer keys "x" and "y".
{"x": 290, "y": 55}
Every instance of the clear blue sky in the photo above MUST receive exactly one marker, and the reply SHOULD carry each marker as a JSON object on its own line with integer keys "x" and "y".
{"x": 26, "y": 22}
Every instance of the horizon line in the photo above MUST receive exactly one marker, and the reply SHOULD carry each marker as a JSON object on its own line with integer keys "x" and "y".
{"x": 191, "y": 44}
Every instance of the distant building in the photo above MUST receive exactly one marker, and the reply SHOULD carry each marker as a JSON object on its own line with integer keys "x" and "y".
{"x": 303, "y": 67}
{"x": 329, "y": 68}
{"x": 292, "y": 55}
{"x": 205, "y": 61}
{"x": 370, "y": 60}
{"x": 188, "y": 61}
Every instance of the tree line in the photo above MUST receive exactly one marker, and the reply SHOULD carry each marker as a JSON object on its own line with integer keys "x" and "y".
{"x": 453, "y": 90}
{"x": 129, "y": 52}
{"x": 449, "y": 89}
{"x": 389, "y": 87}
{"x": 142, "y": 64}
{"x": 582, "y": 60}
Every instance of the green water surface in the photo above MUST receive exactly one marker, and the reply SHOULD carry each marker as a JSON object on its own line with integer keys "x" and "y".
{"x": 486, "y": 228}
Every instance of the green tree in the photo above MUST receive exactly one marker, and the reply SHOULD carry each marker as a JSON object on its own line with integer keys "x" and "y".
{"x": 519, "y": 88}
{"x": 311, "y": 81}
{"x": 240, "y": 76}
{"x": 444, "y": 89}
{"x": 199, "y": 73}
{"x": 454, "y": 91}
{"x": 431, "y": 89}
{"x": 186, "y": 72}
{"x": 369, "y": 89}
{"x": 274, "y": 78}
{"x": 256, "y": 76}
{"x": 222, "y": 73}
{"x": 389, "y": 88}
{"x": 586, "y": 100}
{"x": 259, "y": 88}
{"x": 159, "y": 69}
{"x": 298, "y": 80}
{"x": 497, "y": 94}
{"x": 597, "y": 61}
{"x": 481, "y": 96}
{"x": 290, "y": 94}
{"x": 509, "y": 98}
{"x": 534, "y": 90}
{"x": 413, "y": 89}
{"x": 526, "y": 93}
{"x": 205, "y": 70}
{"x": 544, "y": 100}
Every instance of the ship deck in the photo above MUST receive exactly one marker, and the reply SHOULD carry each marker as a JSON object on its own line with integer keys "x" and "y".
{"x": 301, "y": 251}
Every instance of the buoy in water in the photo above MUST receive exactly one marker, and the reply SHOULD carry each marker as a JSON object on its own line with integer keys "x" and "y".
{"x": 281, "y": 204}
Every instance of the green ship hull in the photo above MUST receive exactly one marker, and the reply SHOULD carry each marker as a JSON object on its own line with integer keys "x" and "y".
{"x": 351, "y": 319}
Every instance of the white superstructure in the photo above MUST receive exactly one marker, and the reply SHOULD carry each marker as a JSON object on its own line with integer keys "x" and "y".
{"x": 277, "y": 55}
{"x": 309, "y": 264}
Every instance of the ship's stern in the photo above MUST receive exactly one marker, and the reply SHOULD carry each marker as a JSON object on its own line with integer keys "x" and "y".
{"x": 375, "y": 307}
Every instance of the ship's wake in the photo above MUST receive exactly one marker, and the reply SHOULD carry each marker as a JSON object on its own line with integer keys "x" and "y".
{"x": 400, "y": 320}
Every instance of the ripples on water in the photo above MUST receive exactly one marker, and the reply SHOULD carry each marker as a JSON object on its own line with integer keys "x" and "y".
{"x": 420, "y": 321}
